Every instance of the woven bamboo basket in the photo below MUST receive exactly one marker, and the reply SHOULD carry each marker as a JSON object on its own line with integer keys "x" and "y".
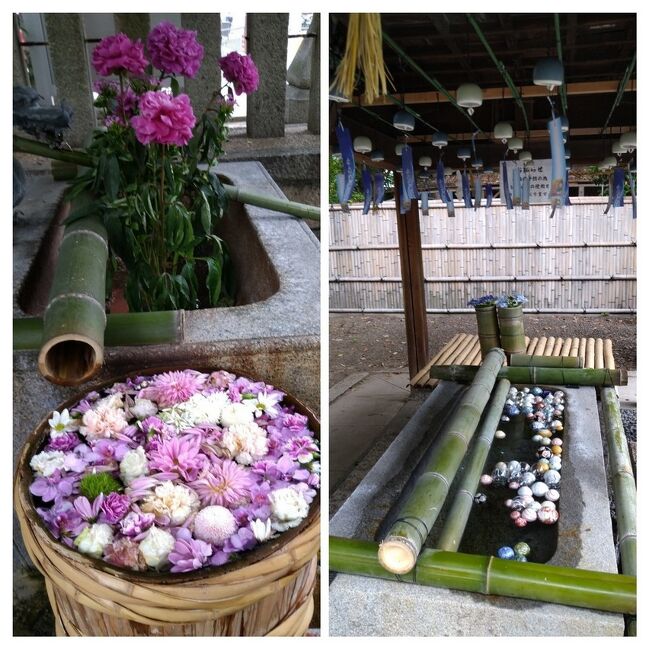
{"x": 269, "y": 592}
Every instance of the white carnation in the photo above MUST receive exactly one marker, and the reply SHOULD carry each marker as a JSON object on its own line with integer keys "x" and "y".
{"x": 93, "y": 539}
{"x": 143, "y": 408}
{"x": 236, "y": 413}
{"x": 47, "y": 462}
{"x": 133, "y": 465}
{"x": 261, "y": 529}
{"x": 156, "y": 547}
{"x": 288, "y": 508}
{"x": 246, "y": 443}
{"x": 176, "y": 502}
{"x": 206, "y": 408}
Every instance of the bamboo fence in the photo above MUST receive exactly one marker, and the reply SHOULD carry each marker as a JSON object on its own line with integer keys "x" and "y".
{"x": 583, "y": 260}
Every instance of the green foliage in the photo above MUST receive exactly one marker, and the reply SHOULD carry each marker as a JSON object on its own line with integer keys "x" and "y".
{"x": 336, "y": 167}
{"x": 92, "y": 485}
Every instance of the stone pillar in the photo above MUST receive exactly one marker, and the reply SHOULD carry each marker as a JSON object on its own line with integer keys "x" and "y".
{"x": 313, "y": 118}
{"x": 65, "y": 36}
{"x": 20, "y": 73}
{"x": 133, "y": 25}
{"x": 267, "y": 44}
{"x": 208, "y": 78}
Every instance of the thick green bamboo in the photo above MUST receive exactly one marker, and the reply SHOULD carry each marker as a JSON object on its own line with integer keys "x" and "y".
{"x": 74, "y": 320}
{"x": 533, "y": 375}
{"x": 623, "y": 482}
{"x": 456, "y": 521}
{"x": 511, "y": 329}
{"x": 399, "y": 550}
{"x": 488, "y": 328}
{"x": 491, "y": 576}
{"x": 140, "y": 328}
{"x": 285, "y": 206}
{"x": 545, "y": 362}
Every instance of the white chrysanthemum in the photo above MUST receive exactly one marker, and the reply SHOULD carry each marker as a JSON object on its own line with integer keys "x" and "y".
{"x": 60, "y": 423}
{"x": 236, "y": 413}
{"x": 206, "y": 408}
{"x": 133, "y": 465}
{"x": 177, "y": 416}
{"x": 47, "y": 462}
{"x": 177, "y": 502}
{"x": 156, "y": 547}
{"x": 143, "y": 408}
{"x": 288, "y": 508}
{"x": 246, "y": 443}
{"x": 261, "y": 529}
{"x": 263, "y": 403}
{"x": 93, "y": 539}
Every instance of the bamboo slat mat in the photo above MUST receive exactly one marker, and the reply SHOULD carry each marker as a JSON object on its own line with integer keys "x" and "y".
{"x": 464, "y": 349}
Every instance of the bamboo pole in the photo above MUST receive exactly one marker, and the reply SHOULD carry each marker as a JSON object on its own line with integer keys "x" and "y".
{"x": 557, "y": 347}
{"x": 488, "y": 327}
{"x": 545, "y": 362}
{"x": 623, "y": 482}
{"x": 536, "y": 375}
{"x": 74, "y": 320}
{"x": 140, "y": 328}
{"x": 599, "y": 361}
{"x": 566, "y": 347}
{"x": 491, "y": 576}
{"x": 420, "y": 375}
{"x": 582, "y": 351}
{"x": 532, "y": 344}
{"x": 399, "y": 550}
{"x": 456, "y": 521}
{"x": 589, "y": 356}
{"x": 541, "y": 345}
{"x": 608, "y": 354}
{"x": 550, "y": 344}
{"x": 301, "y": 210}
{"x": 575, "y": 348}
{"x": 511, "y": 329}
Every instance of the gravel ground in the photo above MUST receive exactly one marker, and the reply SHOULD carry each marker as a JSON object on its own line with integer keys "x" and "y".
{"x": 375, "y": 342}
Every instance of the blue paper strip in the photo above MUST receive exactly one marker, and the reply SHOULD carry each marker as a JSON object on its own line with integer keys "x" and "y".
{"x": 478, "y": 190}
{"x": 619, "y": 187}
{"x": 408, "y": 175}
{"x": 347, "y": 155}
{"x": 630, "y": 177}
{"x": 424, "y": 202}
{"x": 558, "y": 163}
{"x": 516, "y": 186}
{"x": 506, "y": 189}
{"x": 440, "y": 180}
{"x": 379, "y": 188}
{"x": 467, "y": 196}
{"x": 489, "y": 194}
{"x": 366, "y": 184}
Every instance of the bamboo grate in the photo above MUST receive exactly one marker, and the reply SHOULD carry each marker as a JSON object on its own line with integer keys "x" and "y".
{"x": 464, "y": 349}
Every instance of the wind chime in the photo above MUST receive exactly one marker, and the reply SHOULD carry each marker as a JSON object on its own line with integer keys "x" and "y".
{"x": 441, "y": 140}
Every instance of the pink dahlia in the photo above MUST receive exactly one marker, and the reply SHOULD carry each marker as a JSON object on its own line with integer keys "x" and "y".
{"x": 179, "y": 456}
{"x": 170, "y": 388}
{"x": 117, "y": 54}
{"x": 164, "y": 119}
{"x": 174, "y": 50}
{"x": 226, "y": 484}
{"x": 241, "y": 71}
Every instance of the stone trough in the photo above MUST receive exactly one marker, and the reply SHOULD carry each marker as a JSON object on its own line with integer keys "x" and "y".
{"x": 585, "y": 541}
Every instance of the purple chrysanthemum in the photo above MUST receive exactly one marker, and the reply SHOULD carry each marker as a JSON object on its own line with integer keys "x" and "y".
{"x": 136, "y": 522}
{"x": 53, "y": 486}
{"x": 114, "y": 507}
{"x": 179, "y": 456}
{"x": 242, "y": 540}
{"x": 88, "y": 512}
{"x": 171, "y": 388}
{"x": 65, "y": 442}
{"x": 174, "y": 50}
{"x": 188, "y": 553}
{"x": 62, "y": 520}
{"x": 241, "y": 71}
{"x": 225, "y": 484}
{"x": 118, "y": 54}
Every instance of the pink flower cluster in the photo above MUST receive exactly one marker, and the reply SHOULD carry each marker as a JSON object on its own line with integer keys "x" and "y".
{"x": 164, "y": 119}
{"x": 174, "y": 50}
{"x": 119, "y": 54}
{"x": 241, "y": 71}
{"x": 200, "y": 468}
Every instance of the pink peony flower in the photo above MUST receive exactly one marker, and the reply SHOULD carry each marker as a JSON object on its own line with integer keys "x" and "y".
{"x": 170, "y": 388}
{"x": 102, "y": 421}
{"x": 118, "y": 54}
{"x": 174, "y": 50}
{"x": 179, "y": 456}
{"x": 114, "y": 507}
{"x": 241, "y": 71}
{"x": 226, "y": 484}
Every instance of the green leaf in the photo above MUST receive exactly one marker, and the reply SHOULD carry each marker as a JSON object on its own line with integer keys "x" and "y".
{"x": 112, "y": 177}
{"x": 176, "y": 88}
{"x": 206, "y": 214}
{"x": 213, "y": 281}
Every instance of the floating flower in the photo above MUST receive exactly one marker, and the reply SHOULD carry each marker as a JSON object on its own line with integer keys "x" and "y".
{"x": 265, "y": 403}
{"x": 301, "y": 449}
{"x": 246, "y": 443}
{"x": 60, "y": 423}
{"x": 87, "y": 511}
{"x": 171, "y": 388}
{"x": 236, "y": 413}
{"x": 261, "y": 529}
{"x": 171, "y": 504}
{"x": 53, "y": 486}
{"x": 66, "y": 441}
{"x": 164, "y": 119}
{"x": 156, "y": 546}
{"x": 126, "y": 553}
{"x": 47, "y": 462}
{"x": 206, "y": 409}
{"x": 133, "y": 465}
{"x": 114, "y": 508}
{"x": 136, "y": 522}
{"x": 63, "y": 521}
{"x": 179, "y": 456}
{"x": 188, "y": 554}
{"x": 214, "y": 524}
{"x": 225, "y": 484}
{"x": 118, "y": 54}
{"x": 93, "y": 539}
{"x": 143, "y": 408}
{"x": 102, "y": 421}
{"x": 174, "y": 50}
{"x": 241, "y": 71}
{"x": 288, "y": 508}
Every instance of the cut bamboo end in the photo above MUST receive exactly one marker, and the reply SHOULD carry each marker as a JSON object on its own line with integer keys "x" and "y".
{"x": 397, "y": 555}
{"x": 70, "y": 359}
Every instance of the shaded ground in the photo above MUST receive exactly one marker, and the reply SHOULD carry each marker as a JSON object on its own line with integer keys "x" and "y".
{"x": 372, "y": 342}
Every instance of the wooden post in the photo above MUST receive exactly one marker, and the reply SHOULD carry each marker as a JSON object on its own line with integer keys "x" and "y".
{"x": 410, "y": 254}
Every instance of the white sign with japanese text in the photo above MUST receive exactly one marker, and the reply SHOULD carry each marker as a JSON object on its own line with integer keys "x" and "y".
{"x": 539, "y": 172}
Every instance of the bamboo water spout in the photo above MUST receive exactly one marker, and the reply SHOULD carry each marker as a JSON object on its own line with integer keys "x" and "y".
{"x": 452, "y": 532}
{"x": 535, "y": 375}
{"x": 406, "y": 537}
{"x": 609, "y": 592}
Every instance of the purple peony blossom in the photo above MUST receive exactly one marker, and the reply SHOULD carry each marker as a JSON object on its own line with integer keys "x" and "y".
{"x": 180, "y": 457}
{"x": 63, "y": 521}
{"x": 136, "y": 522}
{"x": 174, "y": 50}
{"x": 54, "y": 486}
{"x": 241, "y": 71}
{"x": 188, "y": 553}
{"x": 119, "y": 54}
{"x": 170, "y": 388}
{"x": 65, "y": 442}
{"x": 301, "y": 449}
{"x": 114, "y": 507}
{"x": 242, "y": 540}
{"x": 164, "y": 119}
